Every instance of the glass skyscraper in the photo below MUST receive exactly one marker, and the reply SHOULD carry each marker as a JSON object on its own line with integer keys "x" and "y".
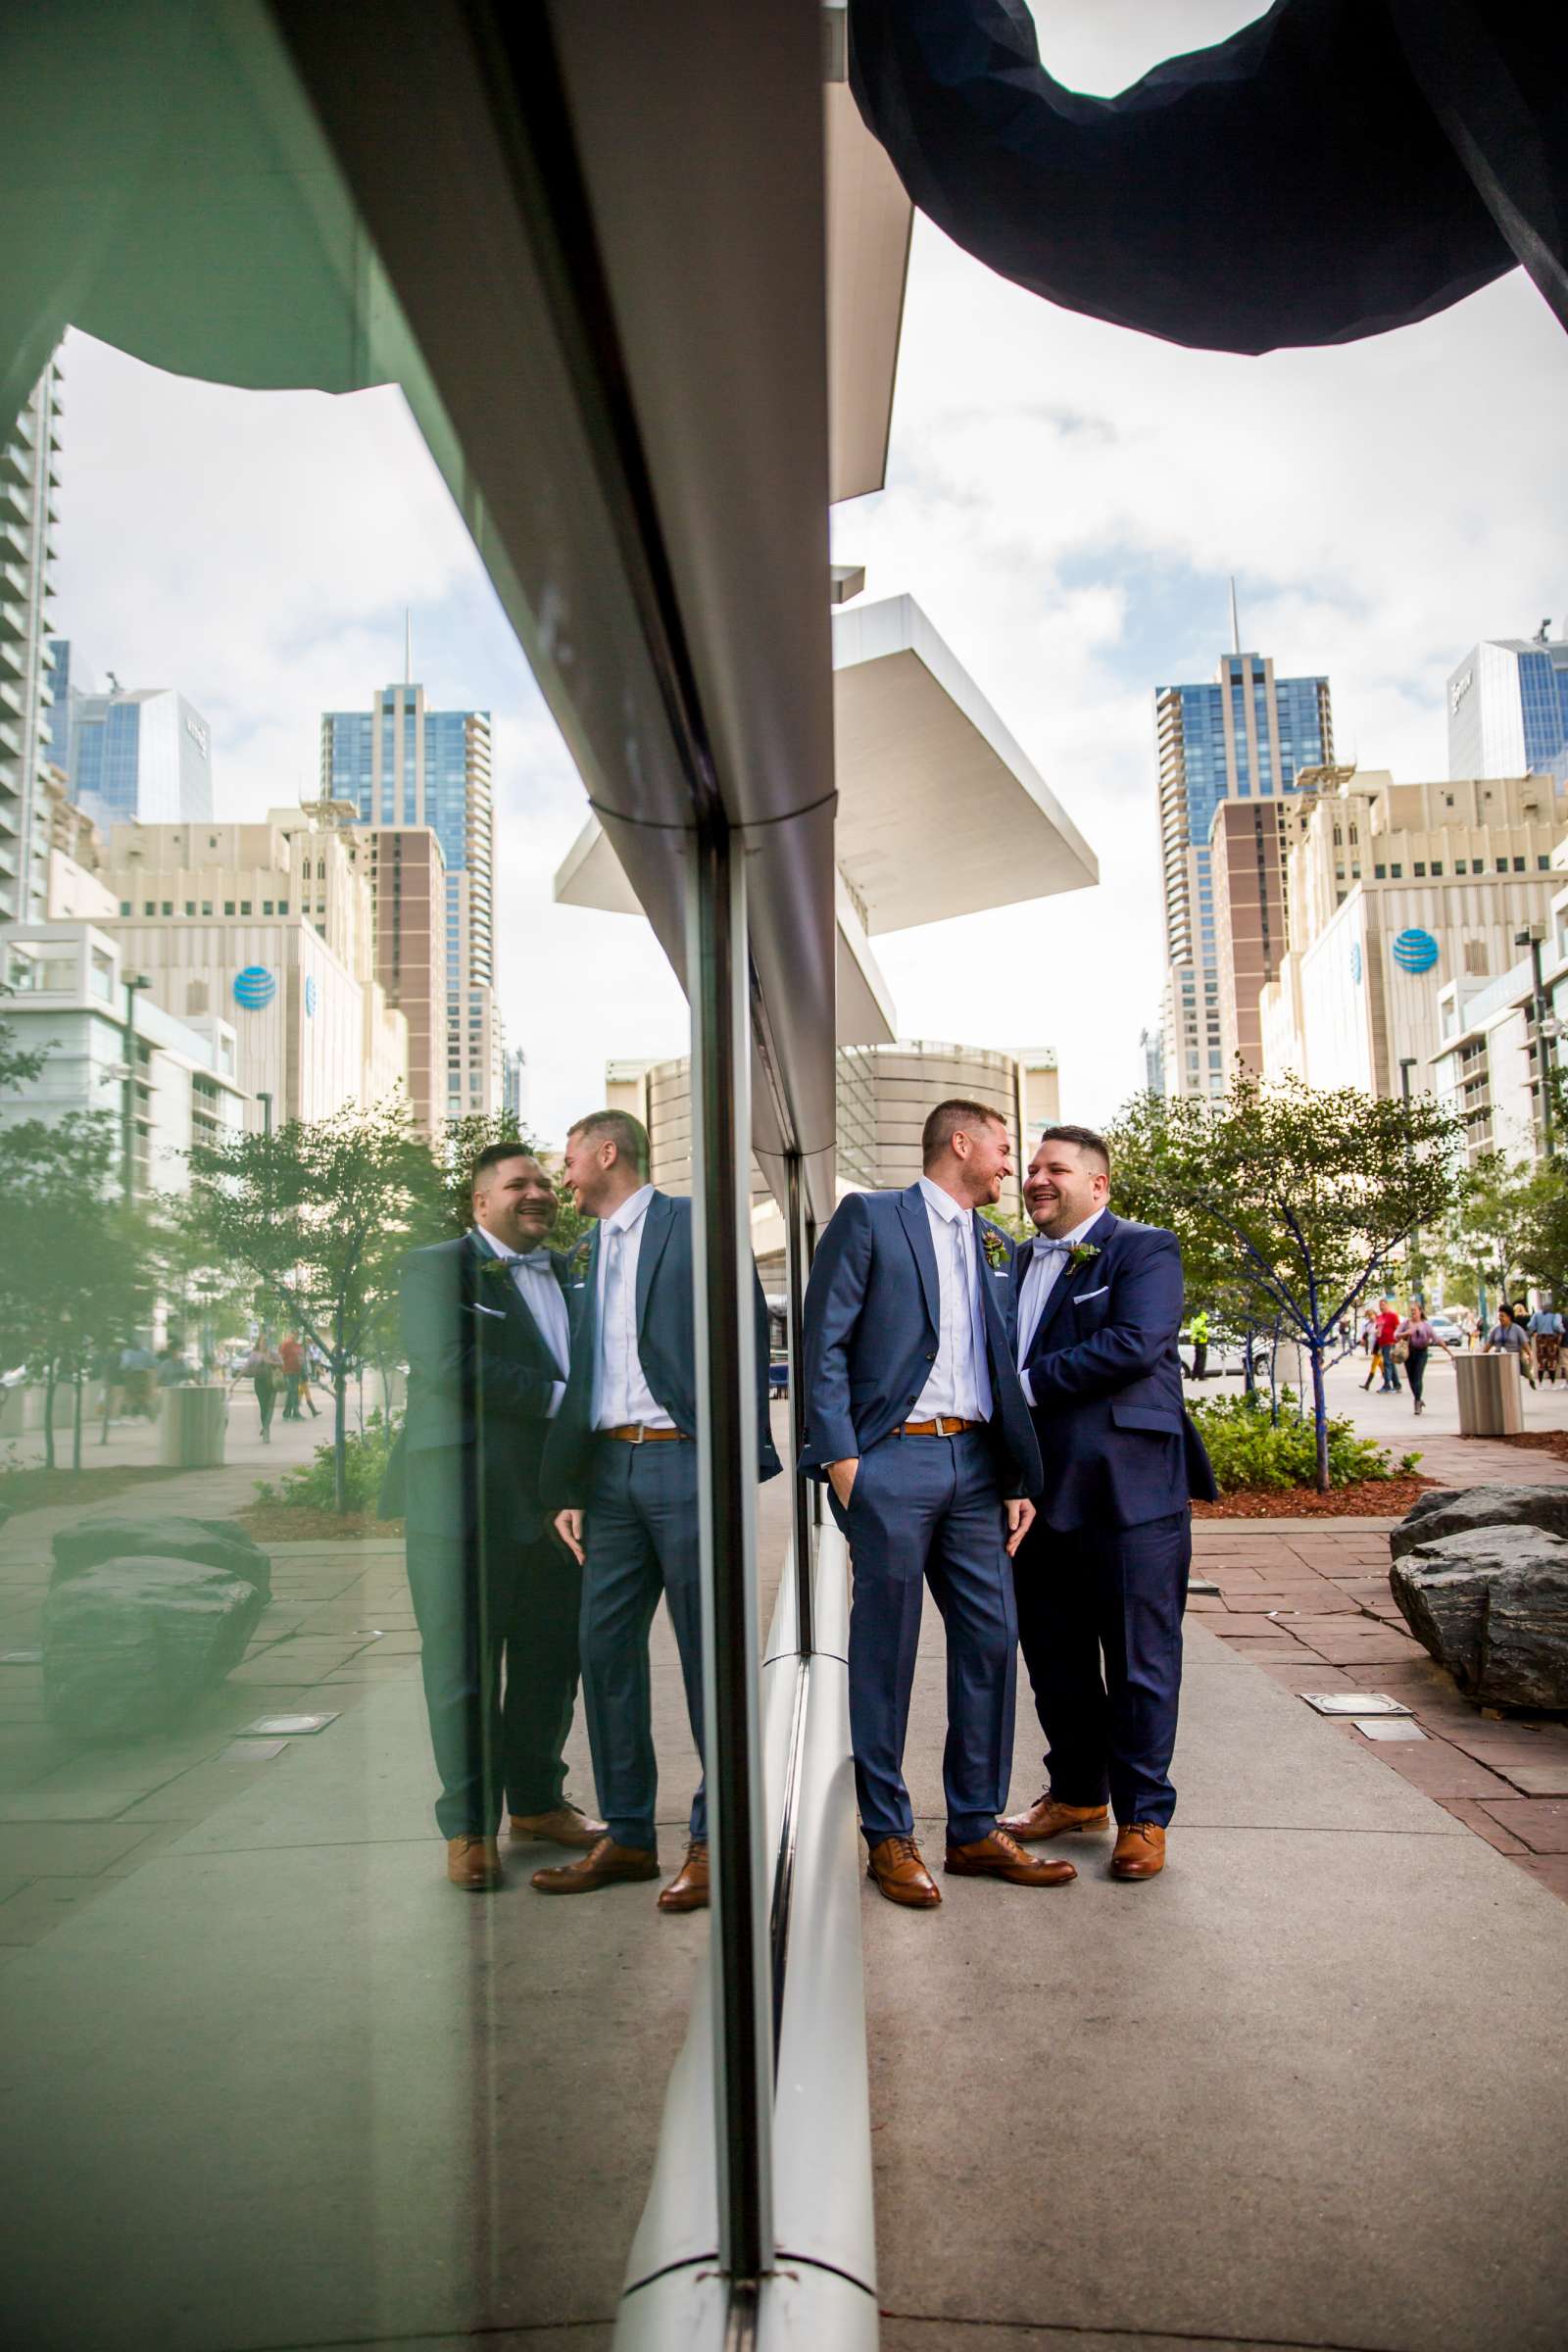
{"x": 1508, "y": 708}
{"x": 30, "y": 448}
{"x": 402, "y": 764}
{"x": 1243, "y": 735}
{"x": 141, "y": 756}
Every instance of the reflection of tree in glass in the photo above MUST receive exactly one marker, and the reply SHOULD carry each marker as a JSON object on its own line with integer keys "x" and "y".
{"x": 74, "y": 1271}
{"x": 321, "y": 1212}
{"x": 461, "y": 1141}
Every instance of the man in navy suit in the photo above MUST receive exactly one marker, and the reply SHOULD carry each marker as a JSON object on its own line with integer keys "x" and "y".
{"x": 1103, "y": 1573}
{"x": 914, "y": 1416}
{"x": 620, "y": 1470}
{"x": 485, "y": 1335}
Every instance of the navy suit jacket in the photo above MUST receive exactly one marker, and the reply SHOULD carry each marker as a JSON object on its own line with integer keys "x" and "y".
{"x": 1116, "y": 1443}
{"x": 873, "y": 1310}
{"x": 666, "y": 1348}
{"x": 480, "y": 1379}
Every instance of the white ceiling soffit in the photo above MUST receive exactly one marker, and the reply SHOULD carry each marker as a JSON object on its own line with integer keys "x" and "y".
{"x": 869, "y": 218}
{"x": 939, "y": 812}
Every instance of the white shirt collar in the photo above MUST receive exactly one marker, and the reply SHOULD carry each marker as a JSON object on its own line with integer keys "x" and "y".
{"x": 533, "y": 1257}
{"x": 634, "y": 1206}
{"x": 942, "y": 1203}
{"x": 1070, "y": 1241}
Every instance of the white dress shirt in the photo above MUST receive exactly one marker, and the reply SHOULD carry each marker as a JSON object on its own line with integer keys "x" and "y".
{"x": 959, "y": 1382}
{"x": 1040, "y": 1278}
{"x": 622, "y": 1398}
{"x": 533, "y": 1278}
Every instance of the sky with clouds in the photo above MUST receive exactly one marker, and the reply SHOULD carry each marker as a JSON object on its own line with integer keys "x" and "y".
{"x": 1065, "y": 498}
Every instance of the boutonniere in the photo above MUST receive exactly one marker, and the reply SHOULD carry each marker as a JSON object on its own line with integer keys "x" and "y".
{"x": 494, "y": 1268}
{"x": 995, "y": 1245}
{"x": 1081, "y": 1253}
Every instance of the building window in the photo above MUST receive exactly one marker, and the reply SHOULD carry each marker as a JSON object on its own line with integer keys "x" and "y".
{"x": 1380, "y": 874}
{"x": 244, "y": 906}
{"x": 148, "y": 907}
{"x": 1518, "y": 865}
{"x": 1420, "y": 872}
{"x": 1459, "y": 866}
{"x": 1396, "y": 872}
{"x": 1502, "y": 865}
{"x": 229, "y": 906}
{"x": 282, "y": 906}
{"x": 124, "y": 906}
{"x": 207, "y": 905}
{"x": 190, "y": 905}
{"x": 1543, "y": 865}
{"x": 1437, "y": 869}
{"x": 266, "y": 905}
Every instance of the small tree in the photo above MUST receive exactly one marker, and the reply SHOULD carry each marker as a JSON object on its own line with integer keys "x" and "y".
{"x": 461, "y": 1141}
{"x": 1296, "y": 1198}
{"x": 322, "y": 1213}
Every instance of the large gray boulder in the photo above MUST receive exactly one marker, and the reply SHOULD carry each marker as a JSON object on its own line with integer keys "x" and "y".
{"x": 1450, "y": 1511}
{"x": 131, "y": 1644}
{"x": 1491, "y": 1603}
{"x": 124, "y": 1535}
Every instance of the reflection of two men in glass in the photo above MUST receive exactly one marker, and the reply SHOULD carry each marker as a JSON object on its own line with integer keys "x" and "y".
{"x": 1003, "y": 1422}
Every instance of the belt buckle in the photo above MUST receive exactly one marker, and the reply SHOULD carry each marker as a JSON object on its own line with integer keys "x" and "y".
{"x": 639, "y": 1435}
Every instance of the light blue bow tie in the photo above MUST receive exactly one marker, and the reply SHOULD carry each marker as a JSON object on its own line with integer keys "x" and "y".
{"x": 1048, "y": 1249}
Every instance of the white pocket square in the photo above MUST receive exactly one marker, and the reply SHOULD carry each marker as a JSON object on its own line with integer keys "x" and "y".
{"x": 499, "y": 1312}
{"x": 1084, "y": 1297}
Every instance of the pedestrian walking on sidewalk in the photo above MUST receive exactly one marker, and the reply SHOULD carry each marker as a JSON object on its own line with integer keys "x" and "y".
{"x": 1419, "y": 1338}
{"x": 263, "y": 1369}
{"x": 1382, "y": 1342}
{"x": 1545, "y": 1330}
{"x": 1508, "y": 1336}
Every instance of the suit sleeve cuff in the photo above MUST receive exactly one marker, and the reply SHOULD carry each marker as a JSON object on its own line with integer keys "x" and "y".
{"x": 1028, "y": 1387}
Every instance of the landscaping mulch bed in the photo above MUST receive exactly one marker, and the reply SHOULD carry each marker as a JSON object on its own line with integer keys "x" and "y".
{"x": 284, "y": 1523}
{"x": 1542, "y": 1440}
{"x": 36, "y": 1488}
{"x": 1364, "y": 1498}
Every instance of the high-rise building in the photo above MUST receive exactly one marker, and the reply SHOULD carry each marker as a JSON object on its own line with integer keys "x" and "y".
{"x": 1243, "y": 736}
{"x": 27, "y": 482}
{"x": 140, "y": 756}
{"x": 1393, "y": 891}
{"x": 408, "y": 901}
{"x": 402, "y": 764}
{"x": 270, "y": 927}
{"x": 515, "y": 1084}
{"x": 1508, "y": 707}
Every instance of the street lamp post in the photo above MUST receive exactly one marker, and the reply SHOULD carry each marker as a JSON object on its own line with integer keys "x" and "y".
{"x": 1408, "y": 1063}
{"x": 1546, "y": 1029}
{"x": 127, "y": 1132}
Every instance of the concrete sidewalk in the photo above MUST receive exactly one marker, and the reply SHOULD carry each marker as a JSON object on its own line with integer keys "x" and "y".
{"x": 1309, "y": 2089}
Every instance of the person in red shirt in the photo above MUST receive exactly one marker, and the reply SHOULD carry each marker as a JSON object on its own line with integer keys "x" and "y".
{"x": 291, "y": 1359}
{"x": 1383, "y": 1349}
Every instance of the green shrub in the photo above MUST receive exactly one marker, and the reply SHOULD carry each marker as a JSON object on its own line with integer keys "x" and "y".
{"x": 311, "y": 1487}
{"x": 1249, "y": 1449}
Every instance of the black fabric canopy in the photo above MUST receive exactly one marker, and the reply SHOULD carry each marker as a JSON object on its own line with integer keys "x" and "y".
{"x": 1336, "y": 169}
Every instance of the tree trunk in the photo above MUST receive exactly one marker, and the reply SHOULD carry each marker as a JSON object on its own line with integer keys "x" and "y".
{"x": 76, "y": 1419}
{"x": 1320, "y": 1415}
{"x": 50, "y": 1384}
{"x": 340, "y": 1434}
{"x": 110, "y": 1369}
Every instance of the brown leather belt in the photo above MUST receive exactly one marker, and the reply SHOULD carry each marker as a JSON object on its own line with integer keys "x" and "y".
{"x": 945, "y": 1425}
{"x": 636, "y": 1433}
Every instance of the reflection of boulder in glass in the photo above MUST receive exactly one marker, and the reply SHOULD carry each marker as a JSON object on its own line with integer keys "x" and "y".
{"x": 115, "y": 1535}
{"x": 129, "y": 1644}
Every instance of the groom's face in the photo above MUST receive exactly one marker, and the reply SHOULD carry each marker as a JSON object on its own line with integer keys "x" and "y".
{"x": 1065, "y": 1186}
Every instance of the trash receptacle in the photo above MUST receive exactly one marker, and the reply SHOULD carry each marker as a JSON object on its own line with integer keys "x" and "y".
{"x": 193, "y": 1426}
{"x": 1491, "y": 1400}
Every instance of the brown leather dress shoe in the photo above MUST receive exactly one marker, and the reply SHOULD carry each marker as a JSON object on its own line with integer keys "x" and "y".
{"x": 1047, "y": 1818}
{"x": 474, "y": 1864}
{"x": 1000, "y": 1856}
{"x": 562, "y": 1825}
{"x": 1140, "y": 1851}
{"x": 606, "y": 1864}
{"x": 688, "y": 1889}
{"x": 895, "y": 1864}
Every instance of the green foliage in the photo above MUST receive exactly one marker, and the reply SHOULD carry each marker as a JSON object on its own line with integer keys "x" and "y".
{"x": 1290, "y": 1201}
{"x": 314, "y": 1487}
{"x": 1249, "y": 1449}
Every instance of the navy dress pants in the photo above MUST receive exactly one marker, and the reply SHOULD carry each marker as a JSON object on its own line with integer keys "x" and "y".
{"x": 640, "y": 1536}
{"x": 498, "y": 1640}
{"x": 1100, "y": 1620}
{"x": 929, "y": 1511}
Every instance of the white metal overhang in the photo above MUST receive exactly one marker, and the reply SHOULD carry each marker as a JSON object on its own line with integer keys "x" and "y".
{"x": 870, "y": 220}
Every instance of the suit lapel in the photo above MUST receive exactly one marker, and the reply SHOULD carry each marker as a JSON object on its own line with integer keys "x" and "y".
{"x": 917, "y": 1225}
{"x": 992, "y": 1321}
{"x": 1070, "y": 1278}
{"x": 658, "y": 1219}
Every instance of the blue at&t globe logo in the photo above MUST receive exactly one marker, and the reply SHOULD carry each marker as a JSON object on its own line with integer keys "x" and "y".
{"x": 1415, "y": 951}
{"x": 254, "y": 987}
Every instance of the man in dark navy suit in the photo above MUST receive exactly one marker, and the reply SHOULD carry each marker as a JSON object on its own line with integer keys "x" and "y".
{"x": 485, "y": 1335}
{"x": 621, "y": 1471}
{"x": 914, "y": 1416}
{"x": 1102, "y": 1577}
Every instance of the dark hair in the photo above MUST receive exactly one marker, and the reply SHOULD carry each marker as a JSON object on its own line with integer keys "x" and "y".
{"x": 628, "y": 1135}
{"x": 945, "y": 1121}
{"x": 1086, "y": 1139}
{"x": 491, "y": 1157}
